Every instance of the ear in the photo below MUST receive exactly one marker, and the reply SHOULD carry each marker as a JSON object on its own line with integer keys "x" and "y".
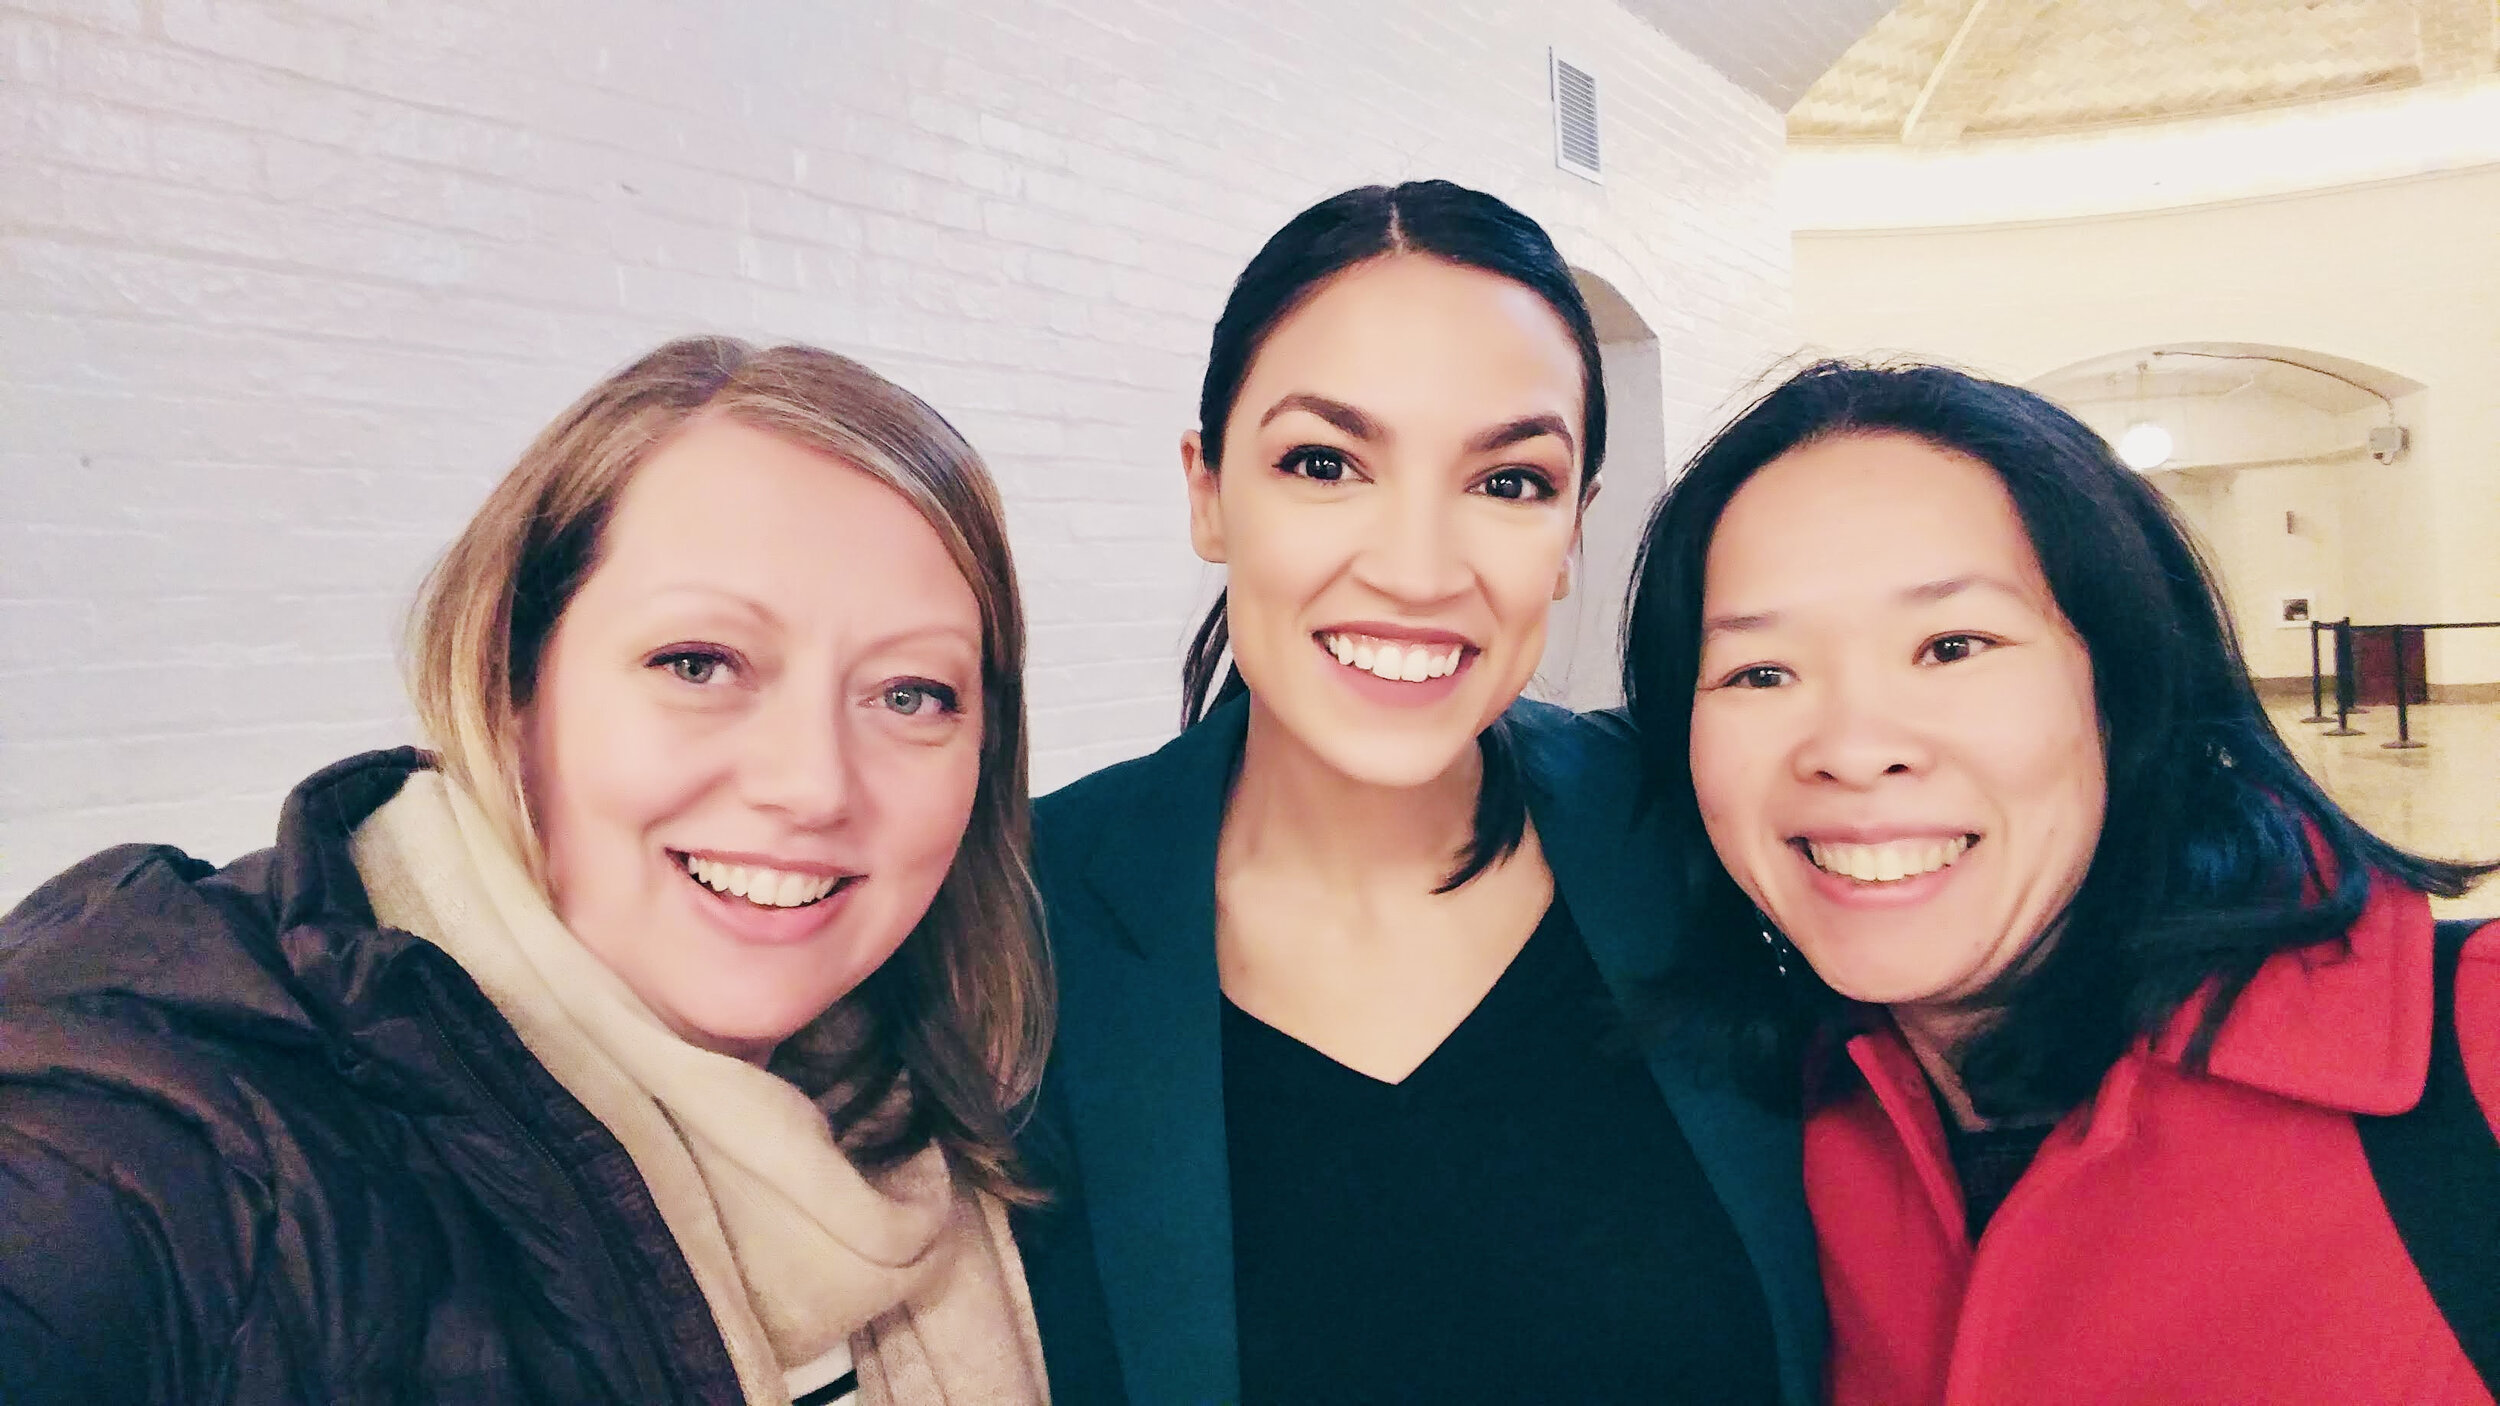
{"x": 1206, "y": 504}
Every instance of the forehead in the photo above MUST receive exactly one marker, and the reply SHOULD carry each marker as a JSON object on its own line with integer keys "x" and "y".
{"x": 1862, "y": 513}
{"x": 727, "y": 507}
{"x": 1411, "y": 332}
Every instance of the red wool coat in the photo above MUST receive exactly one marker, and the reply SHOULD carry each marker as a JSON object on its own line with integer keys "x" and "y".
{"x": 2180, "y": 1239}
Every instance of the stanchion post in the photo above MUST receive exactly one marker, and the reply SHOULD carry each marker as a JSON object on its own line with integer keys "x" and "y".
{"x": 2404, "y": 730}
{"x": 2317, "y": 680}
{"x": 2343, "y": 681}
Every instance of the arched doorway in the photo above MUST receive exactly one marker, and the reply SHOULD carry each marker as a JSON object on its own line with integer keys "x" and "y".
{"x": 2267, "y": 452}
{"x": 1580, "y": 667}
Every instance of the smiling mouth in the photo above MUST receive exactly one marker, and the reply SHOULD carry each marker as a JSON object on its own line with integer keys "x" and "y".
{"x": 761, "y": 886}
{"x": 1398, "y": 661}
{"x": 1886, "y": 863}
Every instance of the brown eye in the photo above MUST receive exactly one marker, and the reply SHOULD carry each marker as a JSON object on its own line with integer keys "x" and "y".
{"x": 1953, "y": 649}
{"x": 1756, "y": 676}
{"x": 1315, "y": 462}
{"x": 1519, "y": 485}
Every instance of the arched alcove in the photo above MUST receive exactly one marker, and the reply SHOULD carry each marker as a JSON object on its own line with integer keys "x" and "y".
{"x": 2269, "y": 458}
{"x": 1580, "y": 667}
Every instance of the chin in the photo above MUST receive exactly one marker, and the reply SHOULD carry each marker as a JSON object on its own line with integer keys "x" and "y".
{"x": 1875, "y": 983}
{"x": 1397, "y": 759}
{"x": 746, "y": 1019}
{"x": 750, "y": 1035}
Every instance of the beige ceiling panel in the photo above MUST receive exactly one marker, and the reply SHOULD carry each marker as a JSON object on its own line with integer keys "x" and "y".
{"x": 2139, "y": 60}
{"x": 1940, "y": 71}
{"x": 2459, "y": 38}
{"x": 1868, "y": 94}
{"x": 1997, "y": 39}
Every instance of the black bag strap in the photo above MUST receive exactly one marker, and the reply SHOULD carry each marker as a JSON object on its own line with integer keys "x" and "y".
{"x": 2438, "y": 1169}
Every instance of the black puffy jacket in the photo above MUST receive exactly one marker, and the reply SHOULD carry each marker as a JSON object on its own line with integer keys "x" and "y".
{"x": 255, "y": 1149}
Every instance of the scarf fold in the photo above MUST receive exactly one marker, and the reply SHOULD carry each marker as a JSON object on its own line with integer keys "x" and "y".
{"x": 795, "y": 1250}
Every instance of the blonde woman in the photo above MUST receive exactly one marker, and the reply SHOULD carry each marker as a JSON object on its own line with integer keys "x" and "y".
{"x": 647, "y": 1042}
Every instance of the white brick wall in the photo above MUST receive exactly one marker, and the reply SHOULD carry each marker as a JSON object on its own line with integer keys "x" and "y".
{"x": 284, "y": 284}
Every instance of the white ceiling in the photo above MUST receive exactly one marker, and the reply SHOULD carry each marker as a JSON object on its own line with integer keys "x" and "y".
{"x": 1936, "y": 72}
{"x": 1774, "y": 49}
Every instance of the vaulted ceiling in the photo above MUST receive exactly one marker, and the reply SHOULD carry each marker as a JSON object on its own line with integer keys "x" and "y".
{"x": 1774, "y": 49}
{"x": 1934, "y": 72}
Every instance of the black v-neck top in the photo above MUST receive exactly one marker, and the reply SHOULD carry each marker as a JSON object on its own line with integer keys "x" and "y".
{"x": 1519, "y": 1219}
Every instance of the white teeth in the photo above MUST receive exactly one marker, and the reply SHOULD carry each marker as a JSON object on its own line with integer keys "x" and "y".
{"x": 1887, "y": 863}
{"x": 766, "y": 888}
{"x": 1398, "y": 663}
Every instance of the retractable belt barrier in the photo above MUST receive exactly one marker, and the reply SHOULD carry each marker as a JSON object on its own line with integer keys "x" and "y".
{"x": 2347, "y": 675}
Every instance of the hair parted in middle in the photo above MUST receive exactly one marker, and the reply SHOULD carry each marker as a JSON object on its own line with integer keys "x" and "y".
{"x": 1445, "y": 221}
{"x": 958, "y": 1020}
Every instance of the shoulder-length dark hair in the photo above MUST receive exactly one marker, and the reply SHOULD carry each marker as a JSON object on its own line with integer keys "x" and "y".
{"x": 1446, "y": 221}
{"x": 2217, "y": 850}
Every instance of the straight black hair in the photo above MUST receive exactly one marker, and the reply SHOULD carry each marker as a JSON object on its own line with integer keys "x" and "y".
{"x": 1449, "y": 222}
{"x": 2217, "y": 850}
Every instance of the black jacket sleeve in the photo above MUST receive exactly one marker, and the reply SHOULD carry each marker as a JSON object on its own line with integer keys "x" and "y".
{"x": 80, "y": 1295}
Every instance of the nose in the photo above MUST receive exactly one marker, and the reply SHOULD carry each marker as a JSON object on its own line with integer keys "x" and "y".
{"x": 798, "y": 758}
{"x": 1860, "y": 733}
{"x": 1413, "y": 552}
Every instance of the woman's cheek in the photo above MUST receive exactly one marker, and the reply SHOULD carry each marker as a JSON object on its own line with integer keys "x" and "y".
{"x": 1721, "y": 757}
{"x": 935, "y": 791}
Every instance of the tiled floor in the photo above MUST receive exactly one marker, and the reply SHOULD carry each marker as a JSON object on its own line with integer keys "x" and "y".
{"x": 2442, "y": 799}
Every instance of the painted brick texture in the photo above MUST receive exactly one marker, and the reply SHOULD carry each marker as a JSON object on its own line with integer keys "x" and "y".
{"x": 285, "y": 285}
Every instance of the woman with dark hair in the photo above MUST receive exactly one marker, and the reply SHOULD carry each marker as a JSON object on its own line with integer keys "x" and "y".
{"x": 2110, "y": 1028}
{"x": 1342, "y": 1110}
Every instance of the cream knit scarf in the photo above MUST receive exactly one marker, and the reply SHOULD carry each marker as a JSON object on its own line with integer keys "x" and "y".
{"x": 795, "y": 1250}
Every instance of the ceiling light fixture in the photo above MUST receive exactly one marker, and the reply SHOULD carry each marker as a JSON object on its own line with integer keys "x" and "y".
{"x": 2144, "y": 447}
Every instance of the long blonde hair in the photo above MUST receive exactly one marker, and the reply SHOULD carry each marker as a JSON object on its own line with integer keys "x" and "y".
{"x": 948, "y": 1036}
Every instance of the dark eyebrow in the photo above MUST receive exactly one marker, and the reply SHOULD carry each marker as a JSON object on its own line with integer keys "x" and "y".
{"x": 1954, "y": 586}
{"x": 1718, "y": 623}
{"x": 1915, "y": 595}
{"x": 1335, "y": 412}
{"x": 1526, "y": 427}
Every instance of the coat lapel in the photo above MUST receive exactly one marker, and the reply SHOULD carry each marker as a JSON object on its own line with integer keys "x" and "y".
{"x": 1141, "y": 1037}
{"x": 1610, "y": 864}
{"x": 1141, "y": 1034}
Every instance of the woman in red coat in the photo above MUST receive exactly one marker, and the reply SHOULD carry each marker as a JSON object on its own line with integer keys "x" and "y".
{"x": 2108, "y": 1023}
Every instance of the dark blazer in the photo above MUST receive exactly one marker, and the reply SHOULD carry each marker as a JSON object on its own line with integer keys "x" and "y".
{"x": 1132, "y": 1265}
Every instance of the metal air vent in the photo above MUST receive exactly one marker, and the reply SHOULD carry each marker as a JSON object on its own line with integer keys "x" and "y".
{"x": 1575, "y": 118}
